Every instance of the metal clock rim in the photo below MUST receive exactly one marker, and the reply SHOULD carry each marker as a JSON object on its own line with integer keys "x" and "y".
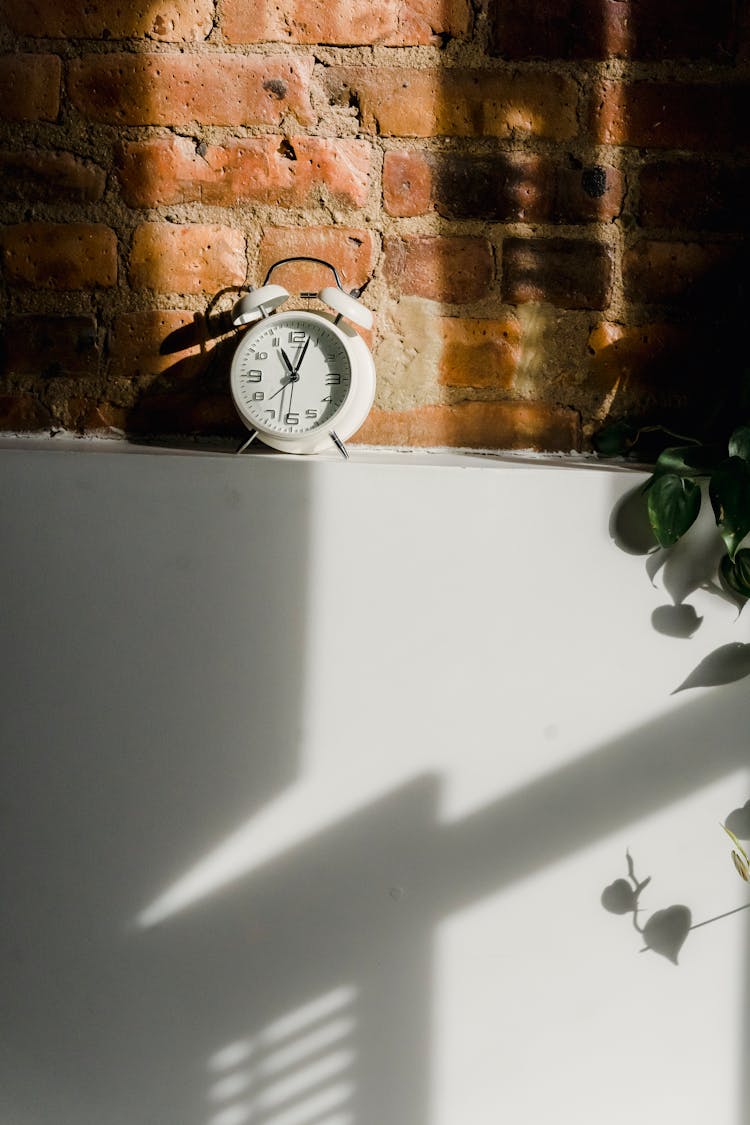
{"x": 244, "y": 343}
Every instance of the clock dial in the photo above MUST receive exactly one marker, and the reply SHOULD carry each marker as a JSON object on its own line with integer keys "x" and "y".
{"x": 291, "y": 374}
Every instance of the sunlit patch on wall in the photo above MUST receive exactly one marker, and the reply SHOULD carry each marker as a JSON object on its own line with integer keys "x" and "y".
{"x": 298, "y": 1069}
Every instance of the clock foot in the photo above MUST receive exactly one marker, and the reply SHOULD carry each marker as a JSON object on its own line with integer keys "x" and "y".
{"x": 339, "y": 445}
{"x": 249, "y": 441}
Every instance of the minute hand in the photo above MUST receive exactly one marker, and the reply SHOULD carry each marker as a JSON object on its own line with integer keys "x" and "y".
{"x": 302, "y": 356}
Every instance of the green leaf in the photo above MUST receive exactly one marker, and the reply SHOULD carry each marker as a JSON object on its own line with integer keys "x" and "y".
{"x": 736, "y": 574}
{"x": 673, "y": 505}
{"x": 736, "y": 842}
{"x": 730, "y": 498}
{"x": 689, "y": 460}
{"x": 739, "y": 443}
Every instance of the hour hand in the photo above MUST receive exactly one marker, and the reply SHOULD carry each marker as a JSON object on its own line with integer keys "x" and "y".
{"x": 287, "y": 361}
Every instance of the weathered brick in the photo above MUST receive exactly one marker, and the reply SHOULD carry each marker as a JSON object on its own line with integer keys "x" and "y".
{"x": 478, "y": 353}
{"x": 351, "y": 251}
{"x": 291, "y": 172}
{"x": 46, "y": 177}
{"x": 422, "y": 103}
{"x": 180, "y": 89}
{"x": 601, "y": 29}
{"x": 22, "y": 413}
{"x": 645, "y": 366}
{"x": 506, "y": 187}
{"x": 408, "y": 183}
{"x": 91, "y": 416}
{"x": 196, "y": 258}
{"x": 569, "y": 273}
{"x": 171, "y": 347}
{"x": 51, "y": 346}
{"x": 694, "y": 195}
{"x": 30, "y": 87}
{"x": 658, "y": 372}
{"x": 191, "y": 412}
{"x": 675, "y": 272}
{"x": 144, "y": 344}
{"x": 392, "y": 23}
{"x": 60, "y": 255}
{"x": 743, "y": 32}
{"x": 166, "y": 20}
{"x": 694, "y": 116}
{"x": 456, "y": 269}
{"x": 476, "y": 425}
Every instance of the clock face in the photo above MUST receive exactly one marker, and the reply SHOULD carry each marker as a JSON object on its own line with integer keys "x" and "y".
{"x": 291, "y": 373}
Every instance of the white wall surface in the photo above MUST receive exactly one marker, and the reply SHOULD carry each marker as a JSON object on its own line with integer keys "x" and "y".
{"x": 313, "y": 774}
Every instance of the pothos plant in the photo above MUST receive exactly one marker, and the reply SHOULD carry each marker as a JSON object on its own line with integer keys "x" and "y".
{"x": 674, "y": 493}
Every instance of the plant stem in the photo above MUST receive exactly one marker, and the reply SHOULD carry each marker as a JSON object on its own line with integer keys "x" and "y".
{"x": 664, "y": 430}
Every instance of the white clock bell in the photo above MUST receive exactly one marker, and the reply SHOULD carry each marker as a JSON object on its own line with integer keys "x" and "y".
{"x": 302, "y": 381}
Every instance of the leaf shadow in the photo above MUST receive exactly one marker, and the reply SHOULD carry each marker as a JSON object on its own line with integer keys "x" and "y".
{"x": 738, "y": 821}
{"x": 676, "y": 620}
{"x": 725, "y": 665}
{"x": 693, "y": 562}
{"x": 629, "y": 524}
{"x": 690, "y": 565}
{"x": 665, "y": 931}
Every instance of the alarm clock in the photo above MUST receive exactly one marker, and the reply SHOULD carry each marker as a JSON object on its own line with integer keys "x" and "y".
{"x": 301, "y": 381}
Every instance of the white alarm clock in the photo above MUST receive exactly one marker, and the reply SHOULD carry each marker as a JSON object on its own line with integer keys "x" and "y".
{"x": 302, "y": 381}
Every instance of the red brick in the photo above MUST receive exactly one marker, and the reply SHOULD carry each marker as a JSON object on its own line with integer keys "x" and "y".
{"x": 180, "y": 89}
{"x": 601, "y": 29}
{"x": 352, "y": 252}
{"x": 694, "y": 195}
{"x": 51, "y": 346}
{"x": 141, "y": 345}
{"x": 192, "y": 412}
{"x": 422, "y": 103}
{"x": 48, "y": 177}
{"x": 743, "y": 32}
{"x": 290, "y": 172}
{"x": 29, "y": 87}
{"x": 455, "y": 269}
{"x": 478, "y": 353}
{"x": 658, "y": 371}
{"x": 694, "y": 116}
{"x": 668, "y": 272}
{"x": 22, "y": 413}
{"x": 475, "y": 425}
{"x": 167, "y": 20}
{"x": 392, "y": 23}
{"x": 170, "y": 347}
{"x": 506, "y": 187}
{"x": 569, "y": 273}
{"x": 90, "y": 416}
{"x": 643, "y": 365}
{"x": 60, "y": 255}
{"x": 170, "y": 258}
{"x": 408, "y": 183}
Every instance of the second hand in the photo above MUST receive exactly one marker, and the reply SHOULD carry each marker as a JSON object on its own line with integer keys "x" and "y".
{"x": 283, "y": 387}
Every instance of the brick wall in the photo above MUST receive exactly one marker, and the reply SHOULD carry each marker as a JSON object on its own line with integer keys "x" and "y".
{"x": 546, "y": 204}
